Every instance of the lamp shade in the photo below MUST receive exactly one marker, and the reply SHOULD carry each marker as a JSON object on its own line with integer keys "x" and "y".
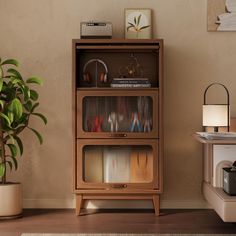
{"x": 215, "y": 115}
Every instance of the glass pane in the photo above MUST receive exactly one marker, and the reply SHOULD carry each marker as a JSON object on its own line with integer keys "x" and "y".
{"x": 118, "y": 164}
{"x": 117, "y": 114}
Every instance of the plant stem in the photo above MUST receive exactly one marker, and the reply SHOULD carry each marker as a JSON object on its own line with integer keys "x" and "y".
{"x": 3, "y": 154}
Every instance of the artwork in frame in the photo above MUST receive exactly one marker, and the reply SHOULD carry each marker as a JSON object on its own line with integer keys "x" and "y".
{"x": 221, "y": 15}
{"x": 138, "y": 23}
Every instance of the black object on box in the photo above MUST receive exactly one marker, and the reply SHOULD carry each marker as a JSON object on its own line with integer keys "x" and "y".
{"x": 229, "y": 180}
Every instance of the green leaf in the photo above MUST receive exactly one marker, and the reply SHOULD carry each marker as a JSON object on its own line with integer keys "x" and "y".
{"x": 40, "y": 138}
{"x": 26, "y": 92}
{"x": 2, "y": 169}
{"x": 1, "y": 72}
{"x": 139, "y": 18}
{"x": 35, "y": 80}
{"x": 1, "y": 83}
{"x": 41, "y": 116}
{"x": 34, "y": 106}
{"x": 9, "y": 136}
{"x": 28, "y": 106}
{"x": 10, "y": 62}
{"x": 5, "y": 118}
{"x": 15, "y": 81}
{"x": 14, "y": 161}
{"x": 15, "y": 73}
{"x": 2, "y": 103}
{"x": 13, "y": 149}
{"x": 16, "y": 108}
{"x": 34, "y": 95}
{"x": 10, "y": 116}
{"x": 131, "y": 24}
{"x": 20, "y": 144}
{"x": 135, "y": 20}
{"x": 144, "y": 27}
{"x": 10, "y": 164}
{"x": 129, "y": 27}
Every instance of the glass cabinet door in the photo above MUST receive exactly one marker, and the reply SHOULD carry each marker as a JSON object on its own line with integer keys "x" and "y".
{"x": 115, "y": 114}
{"x": 117, "y": 166}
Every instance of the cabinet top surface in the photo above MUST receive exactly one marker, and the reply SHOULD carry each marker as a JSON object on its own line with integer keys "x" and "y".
{"x": 117, "y": 41}
{"x": 213, "y": 141}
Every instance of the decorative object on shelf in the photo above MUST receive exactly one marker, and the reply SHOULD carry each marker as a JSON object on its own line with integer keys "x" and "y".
{"x": 229, "y": 179}
{"x": 216, "y": 115}
{"x": 136, "y": 125}
{"x": 147, "y": 126}
{"x": 141, "y": 165}
{"x": 221, "y": 15}
{"x": 18, "y": 103}
{"x": 132, "y": 70}
{"x": 102, "y": 77}
{"x": 113, "y": 120}
{"x": 131, "y": 76}
{"x": 95, "y": 30}
{"x": 116, "y": 164}
{"x": 95, "y": 124}
{"x": 138, "y": 24}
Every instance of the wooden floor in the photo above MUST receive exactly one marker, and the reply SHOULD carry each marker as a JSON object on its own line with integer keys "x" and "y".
{"x": 65, "y": 221}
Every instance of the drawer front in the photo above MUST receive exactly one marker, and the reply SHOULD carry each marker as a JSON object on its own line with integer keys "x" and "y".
{"x": 117, "y": 165}
{"x": 117, "y": 114}
{"x": 223, "y": 156}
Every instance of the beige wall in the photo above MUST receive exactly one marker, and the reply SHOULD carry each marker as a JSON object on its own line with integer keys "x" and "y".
{"x": 39, "y": 34}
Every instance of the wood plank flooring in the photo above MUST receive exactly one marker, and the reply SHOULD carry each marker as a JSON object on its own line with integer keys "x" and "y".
{"x": 116, "y": 221}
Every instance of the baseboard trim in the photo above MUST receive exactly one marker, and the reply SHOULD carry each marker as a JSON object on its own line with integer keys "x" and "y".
{"x": 70, "y": 203}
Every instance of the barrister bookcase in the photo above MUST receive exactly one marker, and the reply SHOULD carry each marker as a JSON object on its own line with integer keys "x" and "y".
{"x": 118, "y": 131}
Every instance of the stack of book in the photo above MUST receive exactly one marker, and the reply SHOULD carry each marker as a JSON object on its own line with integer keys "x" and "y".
{"x": 130, "y": 83}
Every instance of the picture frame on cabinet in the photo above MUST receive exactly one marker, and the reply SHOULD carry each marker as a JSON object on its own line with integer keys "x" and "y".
{"x": 221, "y": 15}
{"x": 138, "y": 23}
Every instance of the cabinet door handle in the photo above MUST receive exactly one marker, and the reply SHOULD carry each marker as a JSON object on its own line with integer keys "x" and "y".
{"x": 114, "y": 135}
{"x": 119, "y": 185}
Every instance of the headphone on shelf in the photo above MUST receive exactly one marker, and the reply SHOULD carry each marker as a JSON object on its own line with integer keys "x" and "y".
{"x": 102, "y": 77}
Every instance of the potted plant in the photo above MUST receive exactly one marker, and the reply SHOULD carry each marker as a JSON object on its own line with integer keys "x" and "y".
{"x": 18, "y": 102}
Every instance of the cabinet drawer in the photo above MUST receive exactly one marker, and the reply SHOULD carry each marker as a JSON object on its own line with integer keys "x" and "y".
{"x": 113, "y": 164}
{"x": 114, "y": 113}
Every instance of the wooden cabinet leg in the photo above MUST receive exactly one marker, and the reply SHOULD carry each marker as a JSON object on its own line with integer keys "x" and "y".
{"x": 156, "y": 204}
{"x": 79, "y": 200}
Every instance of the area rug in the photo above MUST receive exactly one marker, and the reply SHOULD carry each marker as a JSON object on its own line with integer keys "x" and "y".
{"x": 43, "y": 234}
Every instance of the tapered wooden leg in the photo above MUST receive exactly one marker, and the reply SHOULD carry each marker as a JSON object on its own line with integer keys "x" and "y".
{"x": 79, "y": 200}
{"x": 156, "y": 204}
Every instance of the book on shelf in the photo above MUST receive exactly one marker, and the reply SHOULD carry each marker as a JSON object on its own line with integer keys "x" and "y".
{"x": 130, "y": 82}
{"x": 130, "y": 85}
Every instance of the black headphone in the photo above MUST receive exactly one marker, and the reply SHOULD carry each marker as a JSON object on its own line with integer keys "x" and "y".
{"x": 103, "y": 75}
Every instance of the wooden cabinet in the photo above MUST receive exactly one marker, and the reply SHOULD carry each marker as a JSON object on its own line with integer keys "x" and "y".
{"x": 118, "y": 133}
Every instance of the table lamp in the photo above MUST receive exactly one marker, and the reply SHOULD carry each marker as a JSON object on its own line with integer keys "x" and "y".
{"x": 216, "y": 115}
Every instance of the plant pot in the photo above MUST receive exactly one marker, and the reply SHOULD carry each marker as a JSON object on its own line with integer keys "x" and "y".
{"x": 10, "y": 200}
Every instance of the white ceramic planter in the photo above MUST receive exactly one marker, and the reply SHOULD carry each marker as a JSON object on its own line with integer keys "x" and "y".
{"x": 10, "y": 200}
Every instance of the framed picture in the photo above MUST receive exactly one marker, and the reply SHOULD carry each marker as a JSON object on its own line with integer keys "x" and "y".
{"x": 221, "y": 15}
{"x": 138, "y": 23}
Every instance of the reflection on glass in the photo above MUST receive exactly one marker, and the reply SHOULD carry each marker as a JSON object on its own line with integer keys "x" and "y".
{"x": 117, "y": 114}
{"x": 118, "y": 164}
